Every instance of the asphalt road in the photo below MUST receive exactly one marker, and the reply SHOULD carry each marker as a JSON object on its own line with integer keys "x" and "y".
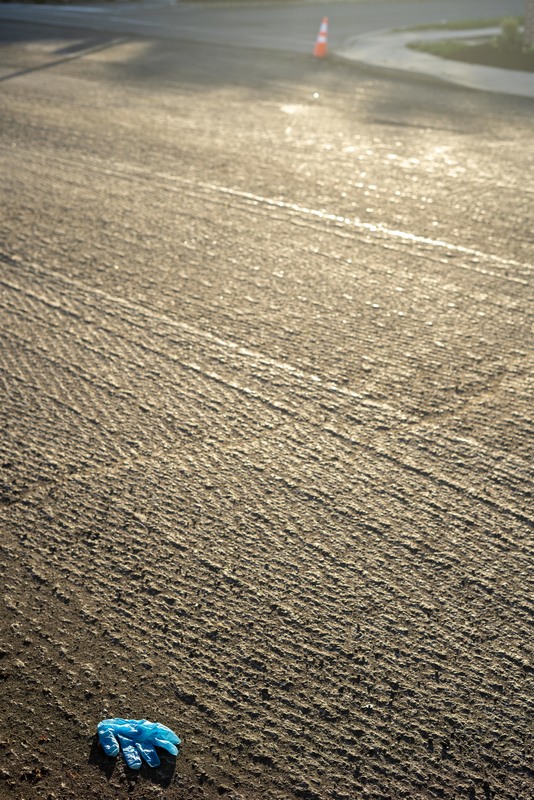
{"x": 281, "y": 26}
{"x": 266, "y": 417}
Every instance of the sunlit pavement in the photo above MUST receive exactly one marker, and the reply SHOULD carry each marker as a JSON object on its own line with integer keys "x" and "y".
{"x": 267, "y": 394}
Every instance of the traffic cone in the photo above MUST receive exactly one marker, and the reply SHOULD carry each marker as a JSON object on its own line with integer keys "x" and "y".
{"x": 319, "y": 51}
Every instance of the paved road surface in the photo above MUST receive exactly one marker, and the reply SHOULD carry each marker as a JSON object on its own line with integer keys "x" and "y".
{"x": 267, "y": 394}
{"x": 280, "y": 26}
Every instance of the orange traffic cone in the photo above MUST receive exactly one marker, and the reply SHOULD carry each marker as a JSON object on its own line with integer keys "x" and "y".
{"x": 319, "y": 51}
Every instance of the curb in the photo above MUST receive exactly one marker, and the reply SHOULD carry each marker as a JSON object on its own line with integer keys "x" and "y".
{"x": 388, "y": 50}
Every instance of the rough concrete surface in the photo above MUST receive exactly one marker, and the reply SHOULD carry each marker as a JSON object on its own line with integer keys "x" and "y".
{"x": 266, "y": 407}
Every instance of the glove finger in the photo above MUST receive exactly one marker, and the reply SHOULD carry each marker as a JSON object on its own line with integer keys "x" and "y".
{"x": 166, "y": 745}
{"x": 130, "y": 753}
{"x": 108, "y": 741}
{"x": 148, "y": 752}
{"x": 162, "y": 732}
{"x": 148, "y": 731}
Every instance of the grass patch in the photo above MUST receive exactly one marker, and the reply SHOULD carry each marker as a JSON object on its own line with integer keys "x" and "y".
{"x": 460, "y": 25}
{"x": 487, "y": 53}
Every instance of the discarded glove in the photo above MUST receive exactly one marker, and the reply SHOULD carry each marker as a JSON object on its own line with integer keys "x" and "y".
{"x": 137, "y": 738}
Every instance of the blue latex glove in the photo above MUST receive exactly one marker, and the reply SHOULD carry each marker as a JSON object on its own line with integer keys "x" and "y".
{"x": 136, "y": 738}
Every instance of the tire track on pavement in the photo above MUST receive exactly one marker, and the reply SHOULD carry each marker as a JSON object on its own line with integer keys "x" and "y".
{"x": 308, "y": 414}
{"x": 260, "y": 204}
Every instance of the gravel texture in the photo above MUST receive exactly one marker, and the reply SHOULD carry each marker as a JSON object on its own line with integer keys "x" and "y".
{"x": 265, "y": 455}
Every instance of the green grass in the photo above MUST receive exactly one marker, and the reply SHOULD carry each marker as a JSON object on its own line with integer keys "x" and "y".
{"x": 460, "y": 25}
{"x": 487, "y": 53}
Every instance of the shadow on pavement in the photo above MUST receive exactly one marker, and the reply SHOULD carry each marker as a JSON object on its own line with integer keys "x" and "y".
{"x": 69, "y": 53}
